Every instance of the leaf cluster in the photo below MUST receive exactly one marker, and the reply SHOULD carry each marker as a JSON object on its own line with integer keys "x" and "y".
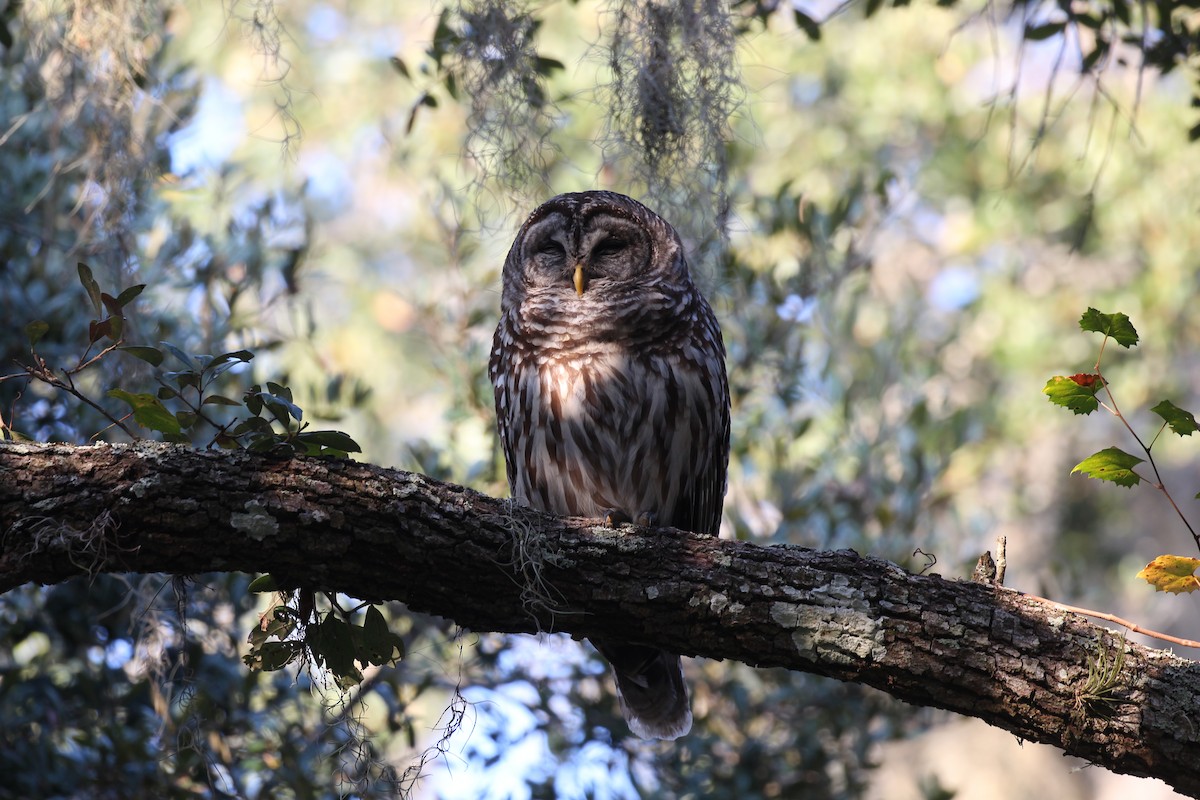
{"x": 334, "y": 641}
{"x": 266, "y": 417}
{"x": 1080, "y": 393}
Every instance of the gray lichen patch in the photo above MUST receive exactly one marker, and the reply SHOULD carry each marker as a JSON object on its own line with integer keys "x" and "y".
{"x": 255, "y": 522}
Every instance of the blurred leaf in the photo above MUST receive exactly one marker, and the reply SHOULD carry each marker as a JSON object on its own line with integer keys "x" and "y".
{"x": 98, "y": 329}
{"x": 1174, "y": 574}
{"x": 399, "y": 65}
{"x": 1116, "y": 325}
{"x": 127, "y": 296}
{"x": 219, "y": 400}
{"x": 148, "y": 411}
{"x": 544, "y": 66}
{"x": 1181, "y": 422}
{"x": 36, "y": 330}
{"x": 807, "y": 24}
{"x": 90, "y": 285}
{"x": 110, "y": 304}
{"x": 1037, "y": 33}
{"x": 1111, "y": 464}
{"x": 182, "y": 357}
{"x": 151, "y": 355}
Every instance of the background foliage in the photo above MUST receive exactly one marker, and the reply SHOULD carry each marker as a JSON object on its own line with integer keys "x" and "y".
{"x": 899, "y": 214}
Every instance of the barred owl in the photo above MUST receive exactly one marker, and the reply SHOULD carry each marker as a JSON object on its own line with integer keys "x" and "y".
{"x": 611, "y": 398}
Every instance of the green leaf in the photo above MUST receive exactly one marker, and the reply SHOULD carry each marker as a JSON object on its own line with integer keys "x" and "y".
{"x": 127, "y": 296}
{"x": 263, "y": 583}
{"x": 148, "y": 411}
{"x": 219, "y": 400}
{"x": 36, "y": 330}
{"x": 183, "y": 357}
{"x": 335, "y": 440}
{"x": 1181, "y": 422}
{"x": 151, "y": 355}
{"x": 1111, "y": 464}
{"x": 90, "y": 285}
{"x": 1115, "y": 325}
{"x": 1070, "y": 393}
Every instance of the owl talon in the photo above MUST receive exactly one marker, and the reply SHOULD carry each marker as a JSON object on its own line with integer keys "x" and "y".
{"x": 647, "y": 519}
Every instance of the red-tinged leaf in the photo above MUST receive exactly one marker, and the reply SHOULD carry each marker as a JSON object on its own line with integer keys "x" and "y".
{"x": 1174, "y": 574}
{"x": 1111, "y": 464}
{"x": 111, "y": 304}
{"x": 1085, "y": 379}
{"x": 1181, "y": 422}
{"x": 1116, "y": 326}
{"x": 1070, "y": 393}
{"x": 97, "y": 330}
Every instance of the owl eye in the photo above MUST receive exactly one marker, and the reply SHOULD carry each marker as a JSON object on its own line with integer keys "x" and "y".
{"x": 551, "y": 248}
{"x": 609, "y": 247}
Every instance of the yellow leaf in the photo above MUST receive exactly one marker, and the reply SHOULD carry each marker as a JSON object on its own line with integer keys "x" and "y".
{"x": 1175, "y": 574}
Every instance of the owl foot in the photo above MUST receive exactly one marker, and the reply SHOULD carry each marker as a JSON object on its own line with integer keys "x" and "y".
{"x": 615, "y": 516}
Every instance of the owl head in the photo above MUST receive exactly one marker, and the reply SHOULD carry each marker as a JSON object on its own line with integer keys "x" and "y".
{"x": 586, "y": 250}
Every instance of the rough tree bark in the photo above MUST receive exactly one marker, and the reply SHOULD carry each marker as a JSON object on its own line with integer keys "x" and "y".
{"x": 375, "y": 533}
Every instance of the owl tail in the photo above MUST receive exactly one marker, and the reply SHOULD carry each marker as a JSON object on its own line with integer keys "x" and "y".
{"x": 654, "y": 698}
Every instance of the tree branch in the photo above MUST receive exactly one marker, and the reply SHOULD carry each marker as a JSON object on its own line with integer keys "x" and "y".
{"x": 375, "y": 533}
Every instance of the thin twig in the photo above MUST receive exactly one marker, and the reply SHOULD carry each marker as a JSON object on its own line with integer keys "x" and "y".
{"x": 1132, "y": 626}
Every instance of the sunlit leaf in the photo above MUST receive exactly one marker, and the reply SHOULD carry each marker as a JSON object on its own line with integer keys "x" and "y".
{"x": 1111, "y": 464}
{"x": 1181, "y": 422}
{"x": 1070, "y": 393}
{"x": 148, "y": 411}
{"x": 1174, "y": 574}
{"x": 1115, "y": 325}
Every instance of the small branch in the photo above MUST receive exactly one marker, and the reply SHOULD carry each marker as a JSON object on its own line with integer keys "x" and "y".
{"x": 1124, "y": 623}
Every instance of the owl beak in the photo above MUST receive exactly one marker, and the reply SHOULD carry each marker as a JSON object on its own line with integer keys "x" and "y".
{"x": 579, "y": 279}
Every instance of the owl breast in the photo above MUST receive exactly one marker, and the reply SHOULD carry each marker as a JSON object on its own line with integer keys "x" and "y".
{"x": 595, "y": 426}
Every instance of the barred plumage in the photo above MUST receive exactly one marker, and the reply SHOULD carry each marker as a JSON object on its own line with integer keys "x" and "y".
{"x": 611, "y": 397}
